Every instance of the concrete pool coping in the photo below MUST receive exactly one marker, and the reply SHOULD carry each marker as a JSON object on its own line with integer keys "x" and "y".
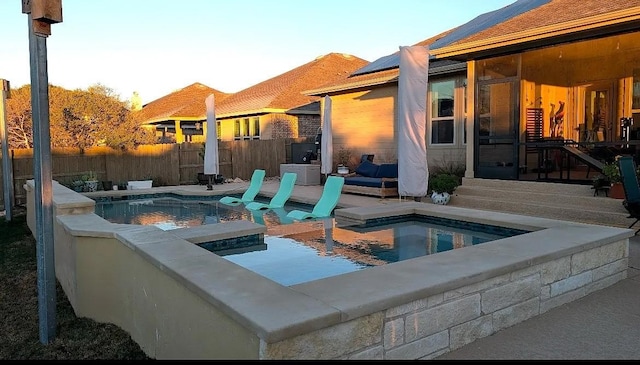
{"x": 276, "y": 313}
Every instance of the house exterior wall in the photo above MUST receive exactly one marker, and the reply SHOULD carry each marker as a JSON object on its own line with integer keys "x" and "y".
{"x": 364, "y": 122}
{"x": 272, "y": 126}
{"x": 308, "y": 125}
{"x": 280, "y": 125}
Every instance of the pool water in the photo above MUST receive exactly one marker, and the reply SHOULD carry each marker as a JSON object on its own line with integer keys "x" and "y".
{"x": 298, "y": 252}
{"x": 319, "y": 252}
{"x": 170, "y": 211}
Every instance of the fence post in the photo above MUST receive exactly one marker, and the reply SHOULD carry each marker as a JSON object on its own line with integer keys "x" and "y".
{"x": 7, "y": 170}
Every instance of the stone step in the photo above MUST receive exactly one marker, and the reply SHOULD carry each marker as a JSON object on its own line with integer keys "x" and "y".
{"x": 530, "y": 186}
{"x": 554, "y": 199}
{"x": 594, "y": 215}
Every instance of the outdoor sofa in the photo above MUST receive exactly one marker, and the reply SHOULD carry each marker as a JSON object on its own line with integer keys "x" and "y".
{"x": 373, "y": 179}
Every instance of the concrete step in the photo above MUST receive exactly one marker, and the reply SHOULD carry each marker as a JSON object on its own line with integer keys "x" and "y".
{"x": 582, "y": 215}
{"x": 603, "y": 202}
{"x": 569, "y": 202}
{"x": 530, "y": 186}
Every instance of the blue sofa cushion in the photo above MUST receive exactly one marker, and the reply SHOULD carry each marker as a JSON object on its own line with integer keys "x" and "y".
{"x": 389, "y": 170}
{"x": 367, "y": 169}
{"x": 371, "y": 182}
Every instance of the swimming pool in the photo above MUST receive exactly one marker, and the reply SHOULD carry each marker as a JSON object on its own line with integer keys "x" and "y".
{"x": 170, "y": 211}
{"x": 329, "y": 250}
{"x": 135, "y": 277}
{"x": 292, "y": 253}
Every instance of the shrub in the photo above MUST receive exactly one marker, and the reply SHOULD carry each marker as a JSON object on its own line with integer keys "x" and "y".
{"x": 444, "y": 183}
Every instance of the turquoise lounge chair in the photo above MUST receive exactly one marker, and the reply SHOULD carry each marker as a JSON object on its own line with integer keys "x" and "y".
{"x": 282, "y": 195}
{"x": 258, "y": 216}
{"x": 250, "y": 194}
{"x": 328, "y": 200}
{"x": 631, "y": 203}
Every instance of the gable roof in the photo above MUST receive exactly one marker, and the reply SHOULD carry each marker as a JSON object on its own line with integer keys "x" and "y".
{"x": 385, "y": 70}
{"x": 284, "y": 92}
{"x": 186, "y": 103}
{"x": 527, "y": 23}
{"x": 551, "y": 22}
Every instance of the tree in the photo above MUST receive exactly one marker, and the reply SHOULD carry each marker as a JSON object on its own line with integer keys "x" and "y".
{"x": 19, "y": 125}
{"x": 77, "y": 118}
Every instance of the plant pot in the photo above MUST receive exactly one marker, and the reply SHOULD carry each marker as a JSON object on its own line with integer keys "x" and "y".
{"x": 107, "y": 185}
{"x": 139, "y": 184}
{"x": 343, "y": 170}
{"x": 202, "y": 178}
{"x": 440, "y": 198}
{"x": 616, "y": 191}
{"x": 91, "y": 185}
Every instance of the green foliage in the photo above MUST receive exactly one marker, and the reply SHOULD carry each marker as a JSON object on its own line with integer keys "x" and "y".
{"x": 444, "y": 183}
{"x": 77, "y": 118}
{"x": 448, "y": 165}
{"x": 90, "y": 176}
{"x": 611, "y": 171}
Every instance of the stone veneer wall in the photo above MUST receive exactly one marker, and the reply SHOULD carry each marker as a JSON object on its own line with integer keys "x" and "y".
{"x": 437, "y": 324}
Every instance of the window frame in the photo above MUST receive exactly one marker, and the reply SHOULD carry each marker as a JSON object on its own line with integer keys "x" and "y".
{"x": 431, "y": 119}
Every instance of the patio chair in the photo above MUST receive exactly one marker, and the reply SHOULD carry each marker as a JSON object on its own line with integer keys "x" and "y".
{"x": 282, "y": 195}
{"x": 631, "y": 188}
{"x": 328, "y": 200}
{"x": 250, "y": 194}
{"x": 258, "y": 216}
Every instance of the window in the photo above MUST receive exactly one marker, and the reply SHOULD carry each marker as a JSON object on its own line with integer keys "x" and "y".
{"x": 236, "y": 129}
{"x": 245, "y": 131}
{"x": 219, "y": 129}
{"x": 442, "y": 107}
{"x": 256, "y": 128}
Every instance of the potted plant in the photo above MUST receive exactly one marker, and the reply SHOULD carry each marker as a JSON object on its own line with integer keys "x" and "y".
{"x": 77, "y": 185}
{"x": 90, "y": 181}
{"x": 344, "y": 157}
{"x": 442, "y": 186}
{"x": 612, "y": 173}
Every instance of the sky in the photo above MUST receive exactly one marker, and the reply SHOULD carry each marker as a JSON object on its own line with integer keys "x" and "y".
{"x": 154, "y": 47}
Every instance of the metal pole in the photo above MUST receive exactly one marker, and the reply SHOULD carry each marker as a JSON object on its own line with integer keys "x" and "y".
{"x": 43, "y": 185}
{"x": 7, "y": 170}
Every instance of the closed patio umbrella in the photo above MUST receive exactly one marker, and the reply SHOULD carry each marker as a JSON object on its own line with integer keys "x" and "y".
{"x": 211, "y": 165}
{"x": 326, "y": 149}
{"x": 413, "y": 173}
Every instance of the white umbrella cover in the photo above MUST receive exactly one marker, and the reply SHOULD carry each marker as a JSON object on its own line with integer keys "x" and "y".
{"x": 413, "y": 173}
{"x": 326, "y": 149}
{"x": 211, "y": 166}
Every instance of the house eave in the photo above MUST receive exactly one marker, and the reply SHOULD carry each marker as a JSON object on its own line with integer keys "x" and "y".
{"x": 596, "y": 26}
{"x": 173, "y": 119}
{"x": 390, "y": 79}
{"x": 246, "y": 113}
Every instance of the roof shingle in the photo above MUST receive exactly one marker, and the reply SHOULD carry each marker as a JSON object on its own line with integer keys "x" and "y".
{"x": 285, "y": 91}
{"x": 186, "y": 102}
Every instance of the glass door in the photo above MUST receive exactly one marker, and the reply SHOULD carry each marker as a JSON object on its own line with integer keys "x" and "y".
{"x": 599, "y": 125}
{"x": 496, "y": 153}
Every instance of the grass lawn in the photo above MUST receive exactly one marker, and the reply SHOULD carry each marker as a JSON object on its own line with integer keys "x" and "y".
{"x": 75, "y": 338}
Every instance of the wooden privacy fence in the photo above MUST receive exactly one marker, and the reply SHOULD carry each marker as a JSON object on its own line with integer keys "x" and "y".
{"x": 166, "y": 164}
